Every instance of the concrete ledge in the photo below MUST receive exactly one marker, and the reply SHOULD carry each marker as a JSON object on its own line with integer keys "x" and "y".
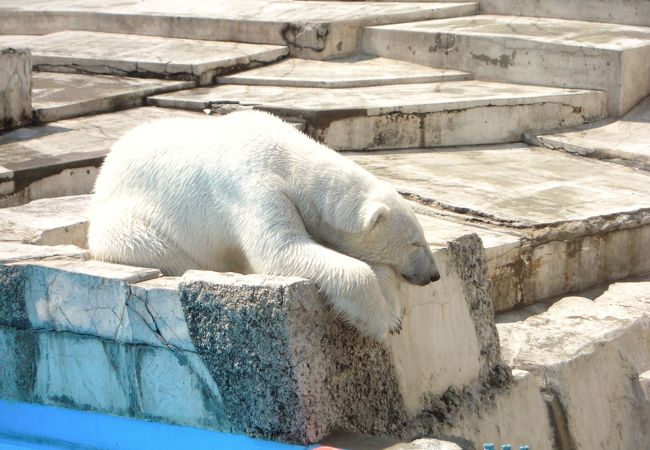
{"x": 15, "y": 88}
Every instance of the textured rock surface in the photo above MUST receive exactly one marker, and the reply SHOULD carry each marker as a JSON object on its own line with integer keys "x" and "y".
{"x": 15, "y": 87}
{"x": 587, "y": 353}
{"x": 408, "y": 115}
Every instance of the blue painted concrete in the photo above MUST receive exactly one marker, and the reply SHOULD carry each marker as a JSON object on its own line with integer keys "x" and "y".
{"x": 26, "y": 426}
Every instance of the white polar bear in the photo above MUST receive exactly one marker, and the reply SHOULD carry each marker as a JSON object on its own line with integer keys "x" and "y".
{"x": 248, "y": 193}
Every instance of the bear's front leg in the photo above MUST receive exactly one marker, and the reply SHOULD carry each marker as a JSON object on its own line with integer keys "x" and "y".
{"x": 361, "y": 295}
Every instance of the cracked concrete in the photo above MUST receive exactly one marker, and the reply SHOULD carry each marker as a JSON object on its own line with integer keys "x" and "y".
{"x": 408, "y": 115}
{"x": 15, "y": 88}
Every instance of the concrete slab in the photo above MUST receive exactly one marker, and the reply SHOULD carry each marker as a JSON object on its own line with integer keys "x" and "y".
{"x": 629, "y": 12}
{"x": 11, "y": 252}
{"x": 408, "y": 115}
{"x": 58, "y": 96}
{"x": 612, "y": 58}
{"x": 314, "y": 30}
{"x": 553, "y": 223}
{"x": 606, "y": 333}
{"x": 625, "y": 141}
{"x": 62, "y": 158}
{"x": 146, "y": 56}
{"x": 51, "y": 221}
{"x": 351, "y": 71}
{"x": 15, "y": 88}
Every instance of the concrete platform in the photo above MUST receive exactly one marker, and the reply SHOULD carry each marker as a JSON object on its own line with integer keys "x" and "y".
{"x": 587, "y": 353}
{"x": 549, "y": 52}
{"x": 629, "y": 12}
{"x": 352, "y": 71}
{"x": 314, "y": 30}
{"x": 145, "y": 56}
{"x": 408, "y": 115}
{"x": 582, "y": 222}
{"x": 62, "y": 158}
{"x": 58, "y": 96}
{"x": 625, "y": 141}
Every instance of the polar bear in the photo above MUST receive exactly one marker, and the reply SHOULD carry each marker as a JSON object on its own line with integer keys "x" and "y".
{"x": 249, "y": 193}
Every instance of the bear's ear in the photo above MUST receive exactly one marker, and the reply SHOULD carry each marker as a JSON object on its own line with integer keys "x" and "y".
{"x": 372, "y": 213}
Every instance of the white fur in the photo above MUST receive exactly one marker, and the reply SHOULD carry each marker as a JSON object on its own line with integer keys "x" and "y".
{"x": 248, "y": 193}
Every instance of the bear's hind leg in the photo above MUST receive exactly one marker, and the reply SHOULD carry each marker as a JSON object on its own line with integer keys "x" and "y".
{"x": 136, "y": 243}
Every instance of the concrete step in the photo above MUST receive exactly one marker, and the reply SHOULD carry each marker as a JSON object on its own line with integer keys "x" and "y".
{"x": 629, "y": 12}
{"x": 562, "y": 223}
{"x": 314, "y": 30}
{"x": 351, "y": 71}
{"x": 587, "y": 353}
{"x": 144, "y": 56}
{"x": 625, "y": 141}
{"x": 408, "y": 115}
{"x": 62, "y": 158}
{"x": 548, "y": 52}
{"x": 15, "y": 88}
{"x": 58, "y": 96}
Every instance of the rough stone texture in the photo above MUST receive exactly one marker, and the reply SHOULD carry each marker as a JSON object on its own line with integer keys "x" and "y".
{"x": 625, "y": 141}
{"x": 587, "y": 353}
{"x": 310, "y": 30}
{"x": 15, "y": 87}
{"x": 58, "y": 96}
{"x": 55, "y": 221}
{"x": 580, "y": 222}
{"x": 630, "y": 12}
{"x": 146, "y": 56}
{"x": 62, "y": 158}
{"x": 11, "y": 252}
{"x": 408, "y": 115}
{"x": 352, "y": 71}
{"x": 548, "y": 52}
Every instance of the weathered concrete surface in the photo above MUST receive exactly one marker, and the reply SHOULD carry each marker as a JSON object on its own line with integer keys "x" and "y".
{"x": 12, "y": 251}
{"x": 311, "y": 30}
{"x": 357, "y": 441}
{"x": 625, "y": 141}
{"x": 62, "y": 158}
{"x": 146, "y": 56}
{"x": 630, "y": 12}
{"x": 351, "y": 71}
{"x": 15, "y": 87}
{"x": 59, "y": 96}
{"x": 587, "y": 353}
{"x": 408, "y": 115}
{"x": 548, "y": 52}
{"x": 51, "y": 221}
{"x": 580, "y": 222}
{"x": 262, "y": 353}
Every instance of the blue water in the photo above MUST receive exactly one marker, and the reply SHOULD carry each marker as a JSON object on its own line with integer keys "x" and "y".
{"x": 26, "y": 426}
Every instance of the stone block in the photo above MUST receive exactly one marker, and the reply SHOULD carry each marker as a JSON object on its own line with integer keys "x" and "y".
{"x": 587, "y": 354}
{"x": 15, "y": 88}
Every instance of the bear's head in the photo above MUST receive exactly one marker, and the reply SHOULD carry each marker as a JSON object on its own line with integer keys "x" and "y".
{"x": 384, "y": 230}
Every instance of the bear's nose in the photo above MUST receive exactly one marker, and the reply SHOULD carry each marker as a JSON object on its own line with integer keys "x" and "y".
{"x": 435, "y": 277}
